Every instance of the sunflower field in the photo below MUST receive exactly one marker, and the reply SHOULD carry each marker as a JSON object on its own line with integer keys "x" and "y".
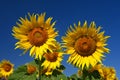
{"x": 85, "y": 44}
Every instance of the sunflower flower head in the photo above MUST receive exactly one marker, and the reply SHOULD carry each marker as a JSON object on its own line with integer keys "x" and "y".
{"x": 35, "y": 33}
{"x": 106, "y": 73}
{"x": 85, "y": 44}
{"x": 53, "y": 60}
{"x": 6, "y": 68}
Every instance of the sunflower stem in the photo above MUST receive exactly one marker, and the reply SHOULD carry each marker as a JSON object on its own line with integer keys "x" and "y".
{"x": 39, "y": 78}
{"x": 85, "y": 73}
{"x": 39, "y": 70}
{"x": 38, "y": 62}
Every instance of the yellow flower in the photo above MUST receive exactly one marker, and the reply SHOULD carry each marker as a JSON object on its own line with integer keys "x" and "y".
{"x": 6, "y": 68}
{"x": 52, "y": 60}
{"x": 107, "y": 73}
{"x": 85, "y": 44}
{"x": 36, "y": 34}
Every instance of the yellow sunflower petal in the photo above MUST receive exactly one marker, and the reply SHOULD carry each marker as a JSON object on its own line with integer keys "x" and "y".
{"x": 41, "y": 18}
{"x": 97, "y": 57}
{"x": 32, "y": 51}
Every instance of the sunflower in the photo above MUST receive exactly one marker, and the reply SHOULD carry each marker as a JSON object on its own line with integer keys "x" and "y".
{"x": 85, "y": 44}
{"x": 35, "y": 33}
{"x": 53, "y": 60}
{"x": 6, "y": 68}
{"x": 106, "y": 73}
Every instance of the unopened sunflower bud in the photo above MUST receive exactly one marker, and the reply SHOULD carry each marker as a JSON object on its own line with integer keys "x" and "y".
{"x": 31, "y": 69}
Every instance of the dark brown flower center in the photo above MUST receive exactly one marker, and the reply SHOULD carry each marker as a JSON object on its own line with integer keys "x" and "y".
{"x": 85, "y": 46}
{"x": 52, "y": 57}
{"x": 38, "y": 36}
{"x": 7, "y": 67}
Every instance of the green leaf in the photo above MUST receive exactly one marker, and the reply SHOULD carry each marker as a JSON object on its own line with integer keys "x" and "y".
{"x": 54, "y": 78}
{"x": 16, "y": 76}
{"x": 21, "y": 74}
{"x": 87, "y": 78}
{"x": 29, "y": 77}
{"x": 56, "y": 72}
{"x": 18, "y": 73}
{"x": 61, "y": 67}
{"x": 21, "y": 69}
{"x": 73, "y": 77}
{"x": 44, "y": 77}
{"x": 62, "y": 76}
{"x": 96, "y": 74}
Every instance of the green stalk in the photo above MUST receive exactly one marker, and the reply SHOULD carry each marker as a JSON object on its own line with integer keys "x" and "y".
{"x": 38, "y": 62}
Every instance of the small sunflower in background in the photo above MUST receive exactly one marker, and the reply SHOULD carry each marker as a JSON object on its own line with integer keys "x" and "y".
{"x": 6, "y": 68}
{"x": 53, "y": 59}
{"x": 106, "y": 73}
{"x": 35, "y": 33}
{"x": 85, "y": 44}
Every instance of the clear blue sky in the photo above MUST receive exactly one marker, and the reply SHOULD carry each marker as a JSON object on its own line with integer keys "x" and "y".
{"x": 105, "y": 13}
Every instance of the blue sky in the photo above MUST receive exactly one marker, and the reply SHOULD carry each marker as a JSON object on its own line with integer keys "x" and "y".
{"x": 105, "y": 13}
